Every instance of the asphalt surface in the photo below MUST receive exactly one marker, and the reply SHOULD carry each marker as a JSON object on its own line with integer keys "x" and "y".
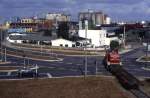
{"x": 74, "y": 66}
{"x": 134, "y": 67}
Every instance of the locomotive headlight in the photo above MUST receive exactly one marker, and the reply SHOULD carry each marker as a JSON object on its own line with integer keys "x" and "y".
{"x": 120, "y": 63}
{"x": 108, "y": 63}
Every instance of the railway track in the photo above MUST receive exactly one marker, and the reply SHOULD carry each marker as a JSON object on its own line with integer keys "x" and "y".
{"x": 139, "y": 93}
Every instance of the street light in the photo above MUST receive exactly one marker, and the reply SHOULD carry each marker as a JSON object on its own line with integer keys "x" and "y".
{"x": 124, "y": 36}
{"x": 3, "y": 36}
{"x": 86, "y": 28}
{"x": 1, "y": 45}
{"x": 5, "y": 59}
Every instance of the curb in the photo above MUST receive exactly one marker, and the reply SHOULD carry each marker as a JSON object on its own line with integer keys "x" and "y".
{"x": 139, "y": 60}
{"x": 122, "y": 52}
{"x": 63, "y": 54}
{"x": 49, "y": 77}
{"x": 83, "y": 55}
{"x": 8, "y": 70}
{"x": 147, "y": 69}
{"x": 143, "y": 78}
{"x": 59, "y": 59}
{"x": 5, "y": 62}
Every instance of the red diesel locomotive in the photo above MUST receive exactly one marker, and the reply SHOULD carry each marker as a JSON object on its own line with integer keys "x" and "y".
{"x": 112, "y": 62}
{"x": 112, "y": 57}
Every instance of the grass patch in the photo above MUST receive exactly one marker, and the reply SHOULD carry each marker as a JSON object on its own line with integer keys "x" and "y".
{"x": 90, "y": 87}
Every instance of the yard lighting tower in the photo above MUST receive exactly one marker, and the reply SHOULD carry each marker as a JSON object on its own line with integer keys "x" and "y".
{"x": 86, "y": 28}
{"x": 1, "y": 45}
{"x": 124, "y": 36}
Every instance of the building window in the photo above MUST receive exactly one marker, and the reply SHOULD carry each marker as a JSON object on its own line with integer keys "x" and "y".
{"x": 22, "y": 21}
{"x": 66, "y": 45}
{"x": 26, "y": 21}
{"x": 61, "y": 45}
{"x": 73, "y": 45}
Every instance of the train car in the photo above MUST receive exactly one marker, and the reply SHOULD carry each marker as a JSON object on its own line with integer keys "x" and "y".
{"x": 126, "y": 79}
{"x": 112, "y": 57}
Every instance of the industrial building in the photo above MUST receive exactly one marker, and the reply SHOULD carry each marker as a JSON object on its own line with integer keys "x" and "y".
{"x": 28, "y": 24}
{"x": 63, "y": 43}
{"x": 94, "y": 19}
{"x": 98, "y": 37}
{"x": 58, "y": 17}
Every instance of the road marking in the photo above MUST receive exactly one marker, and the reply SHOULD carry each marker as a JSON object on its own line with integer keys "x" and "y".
{"x": 130, "y": 69}
{"x": 144, "y": 68}
{"x": 8, "y": 70}
{"x": 61, "y": 68}
{"x": 69, "y": 63}
{"x": 51, "y": 67}
{"x": 87, "y": 71}
{"x": 53, "y": 64}
{"x": 9, "y": 73}
{"x": 60, "y": 62}
{"x": 49, "y": 75}
{"x": 74, "y": 70}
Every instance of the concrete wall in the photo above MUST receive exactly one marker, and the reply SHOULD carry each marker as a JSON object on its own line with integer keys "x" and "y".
{"x": 98, "y": 37}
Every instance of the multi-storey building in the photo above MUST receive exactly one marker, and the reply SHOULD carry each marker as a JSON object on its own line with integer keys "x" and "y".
{"x": 28, "y": 24}
{"x": 27, "y": 20}
{"x": 44, "y": 24}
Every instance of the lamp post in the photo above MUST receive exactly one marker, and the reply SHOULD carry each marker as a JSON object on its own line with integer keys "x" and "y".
{"x": 85, "y": 67}
{"x": 124, "y": 36}
{"x": 147, "y": 50}
{"x": 5, "y": 59}
{"x": 5, "y": 56}
{"x": 41, "y": 48}
{"x": 1, "y": 45}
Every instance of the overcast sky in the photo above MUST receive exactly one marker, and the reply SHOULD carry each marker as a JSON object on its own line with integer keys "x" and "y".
{"x": 126, "y": 10}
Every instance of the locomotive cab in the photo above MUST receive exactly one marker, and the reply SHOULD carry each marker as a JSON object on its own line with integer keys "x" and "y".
{"x": 112, "y": 57}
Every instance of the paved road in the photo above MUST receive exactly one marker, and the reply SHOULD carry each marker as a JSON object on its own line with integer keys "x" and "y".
{"x": 70, "y": 66}
{"x": 73, "y": 66}
{"x": 130, "y": 64}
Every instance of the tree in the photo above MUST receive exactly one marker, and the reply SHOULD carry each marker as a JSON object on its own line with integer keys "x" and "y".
{"x": 114, "y": 45}
{"x": 63, "y": 30}
{"x": 47, "y": 32}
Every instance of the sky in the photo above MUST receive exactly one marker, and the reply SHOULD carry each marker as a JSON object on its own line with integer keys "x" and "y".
{"x": 118, "y": 10}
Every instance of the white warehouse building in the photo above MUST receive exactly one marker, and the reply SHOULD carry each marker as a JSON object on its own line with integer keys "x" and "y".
{"x": 98, "y": 37}
{"x": 62, "y": 42}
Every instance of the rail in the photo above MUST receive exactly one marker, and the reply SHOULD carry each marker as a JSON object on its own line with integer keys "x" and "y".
{"x": 139, "y": 93}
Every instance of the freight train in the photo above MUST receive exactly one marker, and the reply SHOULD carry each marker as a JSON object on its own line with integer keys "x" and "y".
{"x": 112, "y": 63}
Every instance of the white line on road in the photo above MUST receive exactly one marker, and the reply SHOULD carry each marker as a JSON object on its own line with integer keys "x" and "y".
{"x": 51, "y": 67}
{"x": 68, "y": 63}
{"x": 130, "y": 69}
{"x": 9, "y": 73}
{"x": 49, "y": 75}
{"x": 60, "y": 62}
{"x": 147, "y": 69}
